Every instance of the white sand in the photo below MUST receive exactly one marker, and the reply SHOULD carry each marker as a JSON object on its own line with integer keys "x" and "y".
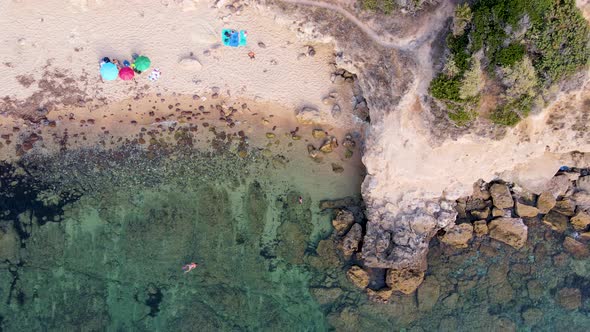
{"x": 165, "y": 31}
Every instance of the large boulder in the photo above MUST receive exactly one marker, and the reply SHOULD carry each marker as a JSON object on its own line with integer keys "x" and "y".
{"x": 526, "y": 211}
{"x": 582, "y": 199}
{"x": 405, "y": 281}
{"x": 566, "y": 206}
{"x": 458, "y": 236}
{"x": 350, "y": 243}
{"x": 580, "y": 221}
{"x": 511, "y": 231}
{"x": 358, "y": 276}
{"x": 501, "y": 196}
{"x": 480, "y": 191}
{"x": 556, "y": 220}
{"x": 342, "y": 222}
{"x": 558, "y": 185}
{"x": 545, "y": 202}
{"x": 481, "y": 228}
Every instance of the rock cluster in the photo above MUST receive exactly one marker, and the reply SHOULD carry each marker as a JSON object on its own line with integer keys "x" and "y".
{"x": 561, "y": 205}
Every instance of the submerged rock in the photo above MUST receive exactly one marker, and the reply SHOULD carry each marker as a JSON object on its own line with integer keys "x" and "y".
{"x": 318, "y": 133}
{"x": 428, "y": 294}
{"x": 511, "y": 231}
{"x": 532, "y": 316}
{"x": 310, "y": 115}
{"x": 9, "y": 243}
{"x": 545, "y": 202}
{"x": 337, "y": 203}
{"x": 569, "y": 298}
{"x": 380, "y": 296}
{"x": 501, "y": 196}
{"x": 405, "y": 281}
{"x": 326, "y": 295}
{"x": 458, "y": 236}
{"x": 556, "y": 220}
{"x": 342, "y": 222}
{"x": 575, "y": 248}
{"x": 358, "y": 276}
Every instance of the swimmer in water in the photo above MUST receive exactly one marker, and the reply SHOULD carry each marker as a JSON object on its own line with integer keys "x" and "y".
{"x": 189, "y": 267}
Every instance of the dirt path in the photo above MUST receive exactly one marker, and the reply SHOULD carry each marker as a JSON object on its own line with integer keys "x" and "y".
{"x": 390, "y": 42}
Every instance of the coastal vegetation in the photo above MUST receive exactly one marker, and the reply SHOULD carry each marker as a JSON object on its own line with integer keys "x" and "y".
{"x": 513, "y": 50}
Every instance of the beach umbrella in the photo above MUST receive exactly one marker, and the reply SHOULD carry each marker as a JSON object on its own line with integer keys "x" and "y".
{"x": 126, "y": 73}
{"x": 109, "y": 71}
{"x": 142, "y": 63}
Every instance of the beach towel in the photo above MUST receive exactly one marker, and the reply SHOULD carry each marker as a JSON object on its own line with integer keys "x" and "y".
{"x": 234, "y": 38}
{"x": 154, "y": 75}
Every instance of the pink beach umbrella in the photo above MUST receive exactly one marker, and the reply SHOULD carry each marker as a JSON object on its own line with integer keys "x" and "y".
{"x": 126, "y": 73}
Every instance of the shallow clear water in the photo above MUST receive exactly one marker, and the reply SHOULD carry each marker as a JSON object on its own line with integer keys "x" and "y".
{"x": 106, "y": 254}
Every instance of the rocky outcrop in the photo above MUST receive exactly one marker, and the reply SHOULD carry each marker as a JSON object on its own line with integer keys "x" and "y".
{"x": 501, "y": 196}
{"x": 458, "y": 236}
{"x": 358, "y": 276}
{"x": 511, "y": 231}
{"x": 405, "y": 281}
{"x": 400, "y": 240}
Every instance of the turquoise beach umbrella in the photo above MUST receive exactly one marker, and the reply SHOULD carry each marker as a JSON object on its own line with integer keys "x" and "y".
{"x": 142, "y": 63}
{"x": 109, "y": 71}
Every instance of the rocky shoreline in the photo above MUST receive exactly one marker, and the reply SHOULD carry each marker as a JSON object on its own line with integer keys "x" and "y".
{"x": 499, "y": 211}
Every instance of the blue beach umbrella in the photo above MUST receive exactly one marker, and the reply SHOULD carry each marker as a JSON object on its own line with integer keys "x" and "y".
{"x": 109, "y": 71}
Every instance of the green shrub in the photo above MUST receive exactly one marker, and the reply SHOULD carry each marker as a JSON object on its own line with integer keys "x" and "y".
{"x": 561, "y": 42}
{"x": 505, "y": 116}
{"x": 462, "y": 117}
{"x": 510, "y": 55}
{"x": 443, "y": 87}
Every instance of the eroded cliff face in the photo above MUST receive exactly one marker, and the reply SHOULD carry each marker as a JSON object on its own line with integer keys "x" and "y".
{"x": 417, "y": 161}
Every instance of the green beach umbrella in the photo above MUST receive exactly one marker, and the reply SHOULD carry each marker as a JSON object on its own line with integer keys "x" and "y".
{"x": 142, "y": 63}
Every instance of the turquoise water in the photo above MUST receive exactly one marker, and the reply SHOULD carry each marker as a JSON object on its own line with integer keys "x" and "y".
{"x": 95, "y": 241}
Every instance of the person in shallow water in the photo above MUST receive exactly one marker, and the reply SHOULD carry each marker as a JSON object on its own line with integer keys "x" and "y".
{"x": 189, "y": 267}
